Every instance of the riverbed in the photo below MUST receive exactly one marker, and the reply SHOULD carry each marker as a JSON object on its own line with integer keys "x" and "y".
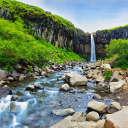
{"x": 33, "y": 109}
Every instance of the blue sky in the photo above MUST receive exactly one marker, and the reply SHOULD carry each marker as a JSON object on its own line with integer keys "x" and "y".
{"x": 89, "y": 15}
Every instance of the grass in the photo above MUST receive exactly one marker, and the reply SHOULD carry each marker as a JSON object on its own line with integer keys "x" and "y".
{"x": 17, "y": 45}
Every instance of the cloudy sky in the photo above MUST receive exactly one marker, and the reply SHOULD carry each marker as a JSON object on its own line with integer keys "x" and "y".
{"x": 89, "y": 15}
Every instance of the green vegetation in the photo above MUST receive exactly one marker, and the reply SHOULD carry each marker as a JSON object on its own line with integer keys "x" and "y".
{"x": 118, "y": 49}
{"x": 115, "y": 28}
{"x": 108, "y": 74}
{"x": 30, "y": 69}
{"x": 17, "y": 45}
{"x": 20, "y": 11}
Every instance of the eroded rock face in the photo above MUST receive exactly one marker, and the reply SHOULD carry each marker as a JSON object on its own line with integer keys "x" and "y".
{"x": 117, "y": 120}
{"x": 63, "y": 112}
{"x": 97, "y": 106}
{"x": 5, "y": 90}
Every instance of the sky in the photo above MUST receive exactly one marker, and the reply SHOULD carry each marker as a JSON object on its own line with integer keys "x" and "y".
{"x": 88, "y": 15}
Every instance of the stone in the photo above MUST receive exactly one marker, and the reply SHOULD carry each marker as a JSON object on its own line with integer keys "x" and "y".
{"x": 98, "y": 64}
{"x": 89, "y": 75}
{"x": 97, "y": 97}
{"x": 47, "y": 69}
{"x": 116, "y": 86}
{"x": 3, "y": 74}
{"x": 97, "y": 106}
{"x": 5, "y": 90}
{"x": 100, "y": 79}
{"x": 67, "y": 123}
{"x": 43, "y": 73}
{"x": 21, "y": 77}
{"x": 14, "y": 74}
{"x": 18, "y": 68}
{"x": 39, "y": 86}
{"x": 64, "y": 87}
{"x": 116, "y": 77}
{"x": 63, "y": 112}
{"x": 92, "y": 116}
{"x": 117, "y": 120}
{"x": 76, "y": 79}
{"x": 78, "y": 117}
{"x": 54, "y": 67}
{"x": 107, "y": 67}
{"x": 100, "y": 124}
{"x": 114, "y": 107}
{"x": 10, "y": 78}
{"x": 36, "y": 69}
{"x": 15, "y": 98}
{"x": 30, "y": 88}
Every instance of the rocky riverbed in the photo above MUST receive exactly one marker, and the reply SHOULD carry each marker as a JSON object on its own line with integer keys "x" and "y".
{"x": 47, "y": 97}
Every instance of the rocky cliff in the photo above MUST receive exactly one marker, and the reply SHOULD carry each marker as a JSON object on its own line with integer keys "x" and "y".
{"x": 105, "y": 36}
{"x": 51, "y": 28}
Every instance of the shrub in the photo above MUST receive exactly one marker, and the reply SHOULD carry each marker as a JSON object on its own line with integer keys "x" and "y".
{"x": 108, "y": 74}
{"x": 118, "y": 48}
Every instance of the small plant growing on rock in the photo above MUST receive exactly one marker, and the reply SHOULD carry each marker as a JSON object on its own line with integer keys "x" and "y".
{"x": 30, "y": 69}
{"x": 108, "y": 74}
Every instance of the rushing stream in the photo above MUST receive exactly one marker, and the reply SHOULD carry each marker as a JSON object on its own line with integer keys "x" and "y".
{"x": 33, "y": 109}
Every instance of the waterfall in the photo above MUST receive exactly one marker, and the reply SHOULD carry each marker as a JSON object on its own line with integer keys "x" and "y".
{"x": 93, "y": 53}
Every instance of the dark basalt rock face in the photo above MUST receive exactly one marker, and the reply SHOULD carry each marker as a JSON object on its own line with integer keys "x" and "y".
{"x": 104, "y": 37}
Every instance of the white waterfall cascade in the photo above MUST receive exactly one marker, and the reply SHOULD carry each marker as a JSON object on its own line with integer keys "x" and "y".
{"x": 93, "y": 53}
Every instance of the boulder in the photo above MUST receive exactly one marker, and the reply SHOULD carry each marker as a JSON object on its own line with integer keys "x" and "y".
{"x": 78, "y": 117}
{"x": 98, "y": 64}
{"x": 116, "y": 86}
{"x": 14, "y": 74}
{"x": 76, "y": 79}
{"x": 97, "y": 97}
{"x": 36, "y": 69}
{"x": 100, "y": 124}
{"x": 117, "y": 120}
{"x": 97, "y": 106}
{"x": 116, "y": 77}
{"x": 64, "y": 87}
{"x": 21, "y": 77}
{"x": 3, "y": 74}
{"x": 92, "y": 116}
{"x": 39, "y": 86}
{"x": 30, "y": 88}
{"x": 67, "y": 123}
{"x": 114, "y": 107}
{"x": 43, "y": 73}
{"x": 100, "y": 79}
{"x": 107, "y": 67}
{"x": 63, "y": 112}
{"x": 5, "y": 90}
{"x": 10, "y": 78}
{"x": 18, "y": 68}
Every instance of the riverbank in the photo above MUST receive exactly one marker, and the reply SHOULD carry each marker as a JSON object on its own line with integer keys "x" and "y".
{"x": 42, "y": 101}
